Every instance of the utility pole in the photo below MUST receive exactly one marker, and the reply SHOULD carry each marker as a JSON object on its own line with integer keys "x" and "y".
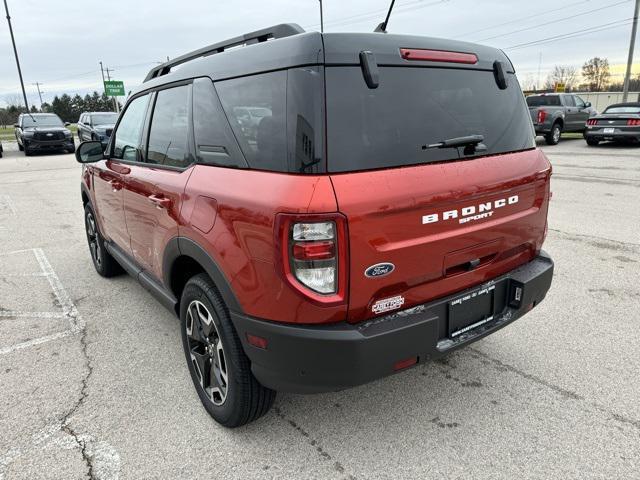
{"x": 37, "y": 84}
{"x": 539, "y": 67}
{"x": 321, "y": 18}
{"x": 15, "y": 52}
{"x": 102, "y": 70}
{"x": 634, "y": 30}
{"x": 115, "y": 99}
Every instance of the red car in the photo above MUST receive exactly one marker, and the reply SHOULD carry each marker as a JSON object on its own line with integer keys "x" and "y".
{"x": 389, "y": 207}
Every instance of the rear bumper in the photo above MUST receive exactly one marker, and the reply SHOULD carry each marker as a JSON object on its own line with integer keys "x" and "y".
{"x": 311, "y": 359}
{"x": 618, "y": 134}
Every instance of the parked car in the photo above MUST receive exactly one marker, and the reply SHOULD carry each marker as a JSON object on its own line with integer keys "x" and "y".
{"x": 96, "y": 126}
{"x": 389, "y": 209}
{"x": 1, "y": 150}
{"x": 618, "y": 123}
{"x": 555, "y": 113}
{"x": 42, "y": 132}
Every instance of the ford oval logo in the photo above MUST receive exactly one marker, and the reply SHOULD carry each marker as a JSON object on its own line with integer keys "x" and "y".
{"x": 379, "y": 270}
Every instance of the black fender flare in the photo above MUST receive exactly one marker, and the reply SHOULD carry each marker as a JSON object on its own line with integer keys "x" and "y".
{"x": 179, "y": 246}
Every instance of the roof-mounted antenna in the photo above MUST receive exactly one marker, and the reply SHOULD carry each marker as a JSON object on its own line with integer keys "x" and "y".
{"x": 382, "y": 28}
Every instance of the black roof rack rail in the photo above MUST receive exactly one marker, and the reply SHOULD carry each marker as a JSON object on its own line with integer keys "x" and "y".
{"x": 276, "y": 31}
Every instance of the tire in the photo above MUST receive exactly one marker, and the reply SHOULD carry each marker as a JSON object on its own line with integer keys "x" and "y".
{"x": 27, "y": 152}
{"x": 553, "y": 137}
{"x": 105, "y": 264}
{"x": 592, "y": 142}
{"x": 20, "y": 147}
{"x": 219, "y": 368}
{"x": 71, "y": 150}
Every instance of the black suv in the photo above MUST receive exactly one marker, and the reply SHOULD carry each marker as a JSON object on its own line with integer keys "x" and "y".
{"x": 43, "y": 131}
{"x": 96, "y": 126}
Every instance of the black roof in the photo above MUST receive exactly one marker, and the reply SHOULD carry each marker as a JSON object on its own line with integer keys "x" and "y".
{"x": 287, "y": 46}
{"x": 626, "y": 104}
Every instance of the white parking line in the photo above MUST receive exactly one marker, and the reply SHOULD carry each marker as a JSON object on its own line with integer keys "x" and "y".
{"x": 69, "y": 310}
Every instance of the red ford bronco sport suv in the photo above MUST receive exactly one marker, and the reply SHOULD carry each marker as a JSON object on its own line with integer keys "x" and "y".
{"x": 322, "y": 210}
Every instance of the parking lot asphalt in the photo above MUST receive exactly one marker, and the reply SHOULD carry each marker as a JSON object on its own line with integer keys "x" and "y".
{"x": 93, "y": 381}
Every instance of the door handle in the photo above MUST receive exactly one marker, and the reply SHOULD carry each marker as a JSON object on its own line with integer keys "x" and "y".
{"x": 115, "y": 185}
{"x": 160, "y": 201}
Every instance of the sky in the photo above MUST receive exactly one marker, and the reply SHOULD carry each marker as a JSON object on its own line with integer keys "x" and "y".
{"x": 61, "y": 43}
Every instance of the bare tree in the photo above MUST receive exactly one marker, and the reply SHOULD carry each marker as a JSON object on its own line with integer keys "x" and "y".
{"x": 596, "y": 73}
{"x": 565, "y": 74}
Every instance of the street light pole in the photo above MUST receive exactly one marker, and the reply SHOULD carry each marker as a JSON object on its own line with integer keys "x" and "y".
{"x": 634, "y": 30}
{"x": 15, "y": 52}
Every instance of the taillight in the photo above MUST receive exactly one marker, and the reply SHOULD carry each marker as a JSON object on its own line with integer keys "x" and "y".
{"x": 632, "y": 122}
{"x": 592, "y": 121}
{"x": 313, "y": 256}
{"x": 313, "y": 251}
{"x": 542, "y": 114}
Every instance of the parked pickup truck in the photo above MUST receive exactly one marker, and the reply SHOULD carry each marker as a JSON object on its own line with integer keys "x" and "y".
{"x": 555, "y": 113}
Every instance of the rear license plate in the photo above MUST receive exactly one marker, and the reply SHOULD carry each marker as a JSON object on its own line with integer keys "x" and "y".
{"x": 609, "y": 130}
{"x": 471, "y": 310}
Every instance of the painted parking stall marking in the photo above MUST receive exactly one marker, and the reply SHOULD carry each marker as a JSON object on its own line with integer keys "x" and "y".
{"x": 66, "y": 308}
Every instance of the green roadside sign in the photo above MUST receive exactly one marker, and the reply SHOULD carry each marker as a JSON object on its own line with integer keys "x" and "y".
{"x": 114, "y": 88}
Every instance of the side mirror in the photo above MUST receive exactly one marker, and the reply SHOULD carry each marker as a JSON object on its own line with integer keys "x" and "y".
{"x": 15, "y": 125}
{"x": 587, "y": 104}
{"x": 89, "y": 152}
{"x": 66, "y": 124}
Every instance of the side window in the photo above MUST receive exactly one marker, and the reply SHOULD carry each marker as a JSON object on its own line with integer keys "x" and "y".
{"x": 169, "y": 132}
{"x": 215, "y": 143}
{"x": 579, "y": 102}
{"x": 569, "y": 101}
{"x": 127, "y": 135}
{"x": 256, "y": 109}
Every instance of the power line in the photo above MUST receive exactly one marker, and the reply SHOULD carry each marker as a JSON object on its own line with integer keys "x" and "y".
{"x": 528, "y": 17}
{"x": 552, "y": 21}
{"x": 361, "y": 17}
{"x": 577, "y": 33}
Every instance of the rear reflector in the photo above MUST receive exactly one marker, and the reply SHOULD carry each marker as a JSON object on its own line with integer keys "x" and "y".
{"x": 405, "y": 363}
{"x": 257, "y": 341}
{"x": 438, "y": 56}
{"x": 324, "y": 250}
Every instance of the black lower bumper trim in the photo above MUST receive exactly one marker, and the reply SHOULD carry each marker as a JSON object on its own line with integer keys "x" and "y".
{"x": 310, "y": 359}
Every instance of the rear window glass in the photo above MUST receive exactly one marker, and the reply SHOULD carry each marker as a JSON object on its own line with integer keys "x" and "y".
{"x": 626, "y": 109}
{"x": 544, "y": 100}
{"x": 415, "y": 107}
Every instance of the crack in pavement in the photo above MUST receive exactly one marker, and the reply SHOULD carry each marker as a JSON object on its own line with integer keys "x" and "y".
{"x": 66, "y": 418}
{"x": 558, "y": 389}
{"x": 337, "y": 466}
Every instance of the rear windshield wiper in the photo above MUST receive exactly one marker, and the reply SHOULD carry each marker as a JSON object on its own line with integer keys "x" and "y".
{"x": 472, "y": 144}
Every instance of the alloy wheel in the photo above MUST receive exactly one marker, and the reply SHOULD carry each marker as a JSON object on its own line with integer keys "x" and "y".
{"x": 206, "y": 352}
{"x": 92, "y": 236}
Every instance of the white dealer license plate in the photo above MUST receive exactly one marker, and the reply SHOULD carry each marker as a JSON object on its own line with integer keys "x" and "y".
{"x": 609, "y": 130}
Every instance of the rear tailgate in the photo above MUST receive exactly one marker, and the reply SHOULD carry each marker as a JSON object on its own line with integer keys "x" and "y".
{"x": 497, "y": 209}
